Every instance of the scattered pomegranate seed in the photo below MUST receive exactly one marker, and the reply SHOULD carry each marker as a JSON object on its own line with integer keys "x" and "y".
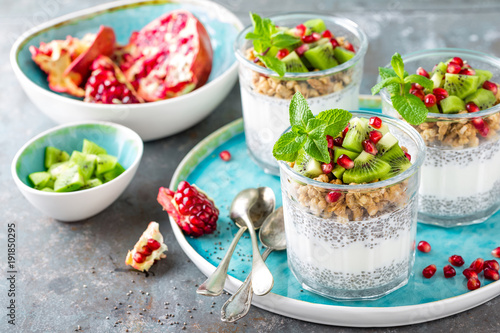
{"x": 345, "y": 161}
{"x": 423, "y": 246}
{"x": 471, "y": 107}
{"x": 430, "y": 100}
{"x": 333, "y": 196}
{"x": 473, "y": 283}
{"x": 469, "y": 273}
{"x": 467, "y": 71}
{"x": 416, "y": 86}
{"x": 449, "y": 271}
{"x": 493, "y": 264}
{"x": 327, "y": 168}
{"x": 153, "y": 244}
{"x": 282, "y": 53}
{"x": 477, "y": 265}
{"x": 453, "y": 68}
{"x": 375, "y": 122}
{"x": 408, "y": 156}
{"x": 348, "y": 46}
{"x": 302, "y": 49}
{"x": 301, "y": 29}
{"x": 457, "y": 61}
{"x": 225, "y": 155}
{"x": 334, "y": 42}
{"x": 329, "y": 140}
{"x": 490, "y": 86}
{"x": 369, "y": 147}
{"x": 138, "y": 258}
{"x": 314, "y": 37}
{"x": 338, "y": 141}
{"x": 146, "y": 251}
{"x": 423, "y": 72}
{"x": 491, "y": 274}
{"x": 418, "y": 93}
{"x": 481, "y": 126}
{"x": 496, "y": 252}
{"x": 344, "y": 132}
{"x": 327, "y": 34}
{"x": 429, "y": 271}
{"x": 375, "y": 136}
{"x": 456, "y": 260}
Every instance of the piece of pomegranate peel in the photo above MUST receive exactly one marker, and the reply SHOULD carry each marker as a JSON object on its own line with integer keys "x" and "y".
{"x": 146, "y": 251}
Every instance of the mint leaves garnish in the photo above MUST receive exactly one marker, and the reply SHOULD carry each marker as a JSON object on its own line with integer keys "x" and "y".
{"x": 264, "y": 36}
{"x": 309, "y": 132}
{"x": 397, "y": 82}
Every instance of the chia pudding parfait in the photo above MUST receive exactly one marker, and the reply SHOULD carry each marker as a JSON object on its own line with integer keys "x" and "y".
{"x": 325, "y": 66}
{"x": 351, "y": 222}
{"x": 461, "y": 172}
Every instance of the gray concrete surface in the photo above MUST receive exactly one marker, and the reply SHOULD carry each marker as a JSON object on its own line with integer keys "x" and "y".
{"x": 57, "y": 260}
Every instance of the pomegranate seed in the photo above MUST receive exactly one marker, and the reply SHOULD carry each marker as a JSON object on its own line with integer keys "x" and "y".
{"x": 453, "y": 68}
{"x": 345, "y": 161}
{"x": 314, "y": 37}
{"x": 418, "y": 93}
{"x": 430, "y": 100}
{"x": 301, "y": 29}
{"x": 327, "y": 168}
{"x": 473, "y": 283}
{"x": 282, "y": 53}
{"x": 375, "y": 136}
{"x": 488, "y": 85}
{"x": 338, "y": 141}
{"x": 469, "y": 273}
{"x": 334, "y": 42}
{"x": 375, "y": 122}
{"x": 467, "y": 66}
{"x": 456, "y": 260}
{"x": 467, "y": 71}
{"x": 348, "y": 46}
{"x": 416, "y": 86}
{"x": 182, "y": 186}
{"x": 423, "y": 246}
{"x": 225, "y": 155}
{"x": 327, "y": 34}
{"x": 493, "y": 264}
{"x": 481, "y": 126}
{"x": 302, "y": 49}
{"x": 153, "y": 244}
{"x": 344, "y": 132}
{"x": 458, "y": 61}
{"x": 423, "y": 72}
{"x": 449, "y": 271}
{"x": 477, "y": 265}
{"x": 408, "y": 156}
{"x": 138, "y": 258}
{"x": 496, "y": 252}
{"x": 329, "y": 139}
{"x": 333, "y": 196}
{"x": 491, "y": 274}
{"x": 440, "y": 91}
{"x": 429, "y": 271}
{"x": 146, "y": 251}
{"x": 471, "y": 107}
{"x": 369, "y": 147}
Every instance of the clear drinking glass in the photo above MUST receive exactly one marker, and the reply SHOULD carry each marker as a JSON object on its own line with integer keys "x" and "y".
{"x": 461, "y": 173}
{"x": 265, "y": 96}
{"x": 363, "y": 245}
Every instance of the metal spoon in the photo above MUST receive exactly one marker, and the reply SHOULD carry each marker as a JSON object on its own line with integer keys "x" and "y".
{"x": 255, "y": 204}
{"x": 272, "y": 236}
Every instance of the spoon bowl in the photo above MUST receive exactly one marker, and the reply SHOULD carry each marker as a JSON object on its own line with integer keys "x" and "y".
{"x": 272, "y": 232}
{"x": 257, "y": 203}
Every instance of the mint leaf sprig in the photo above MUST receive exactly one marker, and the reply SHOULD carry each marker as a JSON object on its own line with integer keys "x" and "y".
{"x": 309, "y": 132}
{"x": 397, "y": 82}
{"x": 264, "y": 36}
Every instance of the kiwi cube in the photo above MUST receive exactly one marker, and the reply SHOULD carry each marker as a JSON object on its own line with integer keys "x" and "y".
{"x": 398, "y": 161}
{"x": 86, "y": 162}
{"x": 39, "y": 179}
{"x": 306, "y": 165}
{"x": 69, "y": 180}
{"x": 337, "y": 151}
{"x": 112, "y": 174}
{"x": 105, "y": 163}
{"x": 54, "y": 155}
{"x": 93, "y": 182}
{"x": 342, "y": 55}
{"x": 47, "y": 189}
{"x": 460, "y": 85}
{"x": 483, "y": 98}
{"x": 358, "y": 130}
{"x": 56, "y": 169}
{"x": 433, "y": 109}
{"x": 437, "y": 79}
{"x": 293, "y": 63}
{"x": 90, "y": 147}
{"x": 367, "y": 168}
{"x": 315, "y": 25}
{"x": 321, "y": 56}
{"x": 387, "y": 142}
{"x": 338, "y": 171}
{"x": 483, "y": 76}
{"x": 452, "y": 104}
{"x": 440, "y": 68}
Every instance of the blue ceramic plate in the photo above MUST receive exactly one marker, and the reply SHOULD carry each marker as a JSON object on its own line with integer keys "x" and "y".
{"x": 421, "y": 300}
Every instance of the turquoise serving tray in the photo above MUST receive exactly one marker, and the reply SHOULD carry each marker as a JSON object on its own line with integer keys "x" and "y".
{"x": 420, "y": 300}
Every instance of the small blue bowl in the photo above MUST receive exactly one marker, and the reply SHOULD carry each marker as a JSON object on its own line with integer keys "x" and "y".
{"x": 118, "y": 140}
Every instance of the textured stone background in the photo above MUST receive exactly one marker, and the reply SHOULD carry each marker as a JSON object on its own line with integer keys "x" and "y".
{"x": 56, "y": 259}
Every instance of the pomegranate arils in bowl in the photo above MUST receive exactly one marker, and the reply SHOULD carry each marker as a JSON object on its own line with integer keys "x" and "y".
{"x": 453, "y": 68}
{"x": 456, "y": 260}
{"x": 422, "y": 72}
{"x": 491, "y": 274}
{"x": 375, "y": 136}
{"x": 458, "y": 61}
{"x": 449, "y": 271}
{"x": 496, "y": 252}
{"x": 488, "y": 85}
{"x": 429, "y": 271}
{"x": 423, "y": 246}
{"x": 477, "y": 265}
{"x": 493, "y": 264}
{"x": 225, "y": 155}
{"x": 375, "y": 122}
{"x": 469, "y": 273}
{"x": 473, "y": 283}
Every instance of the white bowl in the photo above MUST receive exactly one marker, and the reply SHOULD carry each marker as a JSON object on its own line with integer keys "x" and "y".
{"x": 118, "y": 140}
{"x": 150, "y": 120}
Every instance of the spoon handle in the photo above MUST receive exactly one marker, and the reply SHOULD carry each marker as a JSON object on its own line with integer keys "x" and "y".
{"x": 214, "y": 285}
{"x": 261, "y": 275}
{"x": 237, "y": 306}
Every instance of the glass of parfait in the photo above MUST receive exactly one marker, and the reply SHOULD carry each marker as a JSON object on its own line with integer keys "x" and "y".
{"x": 350, "y": 237}
{"x": 265, "y": 96}
{"x": 461, "y": 172}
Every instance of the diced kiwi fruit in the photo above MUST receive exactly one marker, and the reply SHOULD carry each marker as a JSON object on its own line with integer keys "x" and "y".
{"x": 93, "y": 182}
{"x": 306, "y": 165}
{"x": 47, "y": 189}
{"x": 433, "y": 109}
{"x": 452, "y": 104}
{"x": 437, "y": 78}
{"x": 50, "y": 183}
{"x": 316, "y": 25}
{"x": 338, "y": 171}
{"x": 383, "y": 129}
{"x": 483, "y": 76}
{"x": 86, "y": 162}
{"x": 321, "y": 56}
{"x": 358, "y": 129}
{"x": 105, "y": 163}
{"x": 69, "y": 180}
{"x": 54, "y": 155}
{"x": 337, "y": 151}
{"x": 441, "y": 68}
{"x": 56, "y": 169}
{"x": 460, "y": 85}
{"x": 387, "y": 142}
{"x": 90, "y": 147}
{"x": 342, "y": 55}
{"x": 397, "y": 160}
{"x": 483, "y": 98}
{"x": 40, "y": 179}
{"x": 366, "y": 168}
{"x": 112, "y": 174}
{"x": 293, "y": 63}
